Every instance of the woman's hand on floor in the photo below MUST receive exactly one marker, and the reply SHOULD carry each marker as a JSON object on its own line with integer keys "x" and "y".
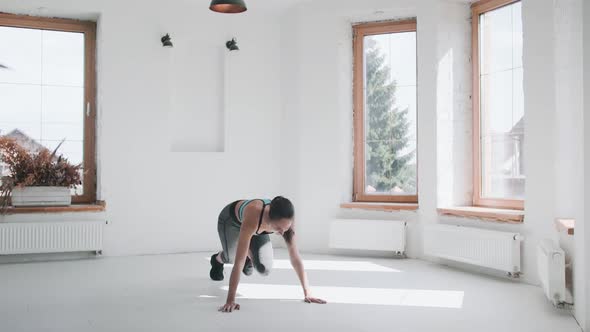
{"x": 229, "y": 307}
{"x": 309, "y": 299}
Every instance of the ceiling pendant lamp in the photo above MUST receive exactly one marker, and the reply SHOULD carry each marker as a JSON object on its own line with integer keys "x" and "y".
{"x": 228, "y": 6}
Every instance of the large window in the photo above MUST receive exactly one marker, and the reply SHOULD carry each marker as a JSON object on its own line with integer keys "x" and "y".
{"x": 499, "y": 169}
{"x": 47, "y": 89}
{"x": 385, "y": 159}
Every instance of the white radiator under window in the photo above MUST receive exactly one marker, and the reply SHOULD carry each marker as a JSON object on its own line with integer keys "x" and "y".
{"x": 551, "y": 269}
{"x": 382, "y": 235}
{"x": 51, "y": 237}
{"x": 491, "y": 249}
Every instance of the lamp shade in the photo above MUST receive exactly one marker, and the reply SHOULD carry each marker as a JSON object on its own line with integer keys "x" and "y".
{"x": 228, "y": 6}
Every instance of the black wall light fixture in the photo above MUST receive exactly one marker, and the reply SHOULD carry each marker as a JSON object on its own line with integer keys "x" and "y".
{"x": 232, "y": 45}
{"x": 228, "y": 6}
{"x": 167, "y": 41}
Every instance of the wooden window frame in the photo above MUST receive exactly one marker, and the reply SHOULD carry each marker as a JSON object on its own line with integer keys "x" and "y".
{"x": 88, "y": 28}
{"x": 478, "y": 8}
{"x": 359, "y": 32}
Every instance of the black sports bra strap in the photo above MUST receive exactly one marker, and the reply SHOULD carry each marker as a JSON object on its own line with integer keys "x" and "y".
{"x": 261, "y": 215}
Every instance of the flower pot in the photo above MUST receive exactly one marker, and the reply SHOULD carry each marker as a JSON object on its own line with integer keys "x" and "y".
{"x": 41, "y": 196}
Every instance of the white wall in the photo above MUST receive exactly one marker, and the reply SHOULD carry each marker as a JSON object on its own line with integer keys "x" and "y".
{"x": 317, "y": 73}
{"x": 539, "y": 102}
{"x": 584, "y": 233}
{"x": 160, "y": 201}
{"x": 568, "y": 119}
{"x": 454, "y": 145}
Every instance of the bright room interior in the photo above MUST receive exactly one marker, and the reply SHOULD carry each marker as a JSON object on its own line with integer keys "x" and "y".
{"x": 419, "y": 163}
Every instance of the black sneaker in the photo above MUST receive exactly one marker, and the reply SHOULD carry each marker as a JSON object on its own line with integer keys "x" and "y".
{"x": 216, "y": 272}
{"x": 248, "y": 267}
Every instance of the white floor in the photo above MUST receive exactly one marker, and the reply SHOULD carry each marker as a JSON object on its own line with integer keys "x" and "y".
{"x": 174, "y": 293}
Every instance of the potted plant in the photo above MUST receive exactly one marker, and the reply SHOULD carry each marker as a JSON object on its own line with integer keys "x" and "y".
{"x": 36, "y": 178}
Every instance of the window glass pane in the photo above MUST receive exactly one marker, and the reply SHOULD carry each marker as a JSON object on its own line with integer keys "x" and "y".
{"x": 21, "y": 52}
{"x": 390, "y": 114}
{"x": 517, "y": 34}
{"x": 20, "y": 108}
{"x": 63, "y": 58}
{"x": 502, "y": 103}
{"x": 42, "y": 90}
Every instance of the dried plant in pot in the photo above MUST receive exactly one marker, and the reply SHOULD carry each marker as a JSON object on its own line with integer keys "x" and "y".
{"x": 36, "y": 178}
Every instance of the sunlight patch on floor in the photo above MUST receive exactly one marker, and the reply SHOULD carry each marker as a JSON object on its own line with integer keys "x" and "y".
{"x": 361, "y": 266}
{"x": 329, "y": 265}
{"x": 356, "y": 295}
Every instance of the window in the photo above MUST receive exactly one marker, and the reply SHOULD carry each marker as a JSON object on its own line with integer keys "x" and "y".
{"x": 47, "y": 89}
{"x": 385, "y": 158}
{"x": 498, "y": 103}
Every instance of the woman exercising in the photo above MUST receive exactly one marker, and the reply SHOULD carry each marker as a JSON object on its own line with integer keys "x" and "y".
{"x": 244, "y": 227}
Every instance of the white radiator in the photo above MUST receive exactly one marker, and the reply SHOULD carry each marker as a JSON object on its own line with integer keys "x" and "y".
{"x": 551, "y": 269}
{"x": 50, "y": 237}
{"x": 491, "y": 249}
{"x": 383, "y": 235}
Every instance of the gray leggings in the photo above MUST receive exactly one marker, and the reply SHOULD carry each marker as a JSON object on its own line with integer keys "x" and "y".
{"x": 228, "y": 228}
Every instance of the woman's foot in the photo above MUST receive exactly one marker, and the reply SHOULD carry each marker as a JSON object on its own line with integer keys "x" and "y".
{"x": 216, "y": 272}
{"x": 248, "y": 267}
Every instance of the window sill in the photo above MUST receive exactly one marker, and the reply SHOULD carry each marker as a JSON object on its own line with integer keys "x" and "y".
{"x": 99, "y": 206}
{"x": 502, "y": 215}
{"x": 380, "y": 206}
{"x": 565, "y": 225}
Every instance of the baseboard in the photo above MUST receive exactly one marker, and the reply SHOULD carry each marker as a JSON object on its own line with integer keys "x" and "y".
{"x": 30, "y": 258}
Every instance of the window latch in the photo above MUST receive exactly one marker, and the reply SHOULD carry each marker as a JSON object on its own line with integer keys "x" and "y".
{"x": 87, "y": 109}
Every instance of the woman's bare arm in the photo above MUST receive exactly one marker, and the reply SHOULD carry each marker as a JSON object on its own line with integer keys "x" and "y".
{"x": 247, "y": 230}
{"x": 297, "y": 264}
